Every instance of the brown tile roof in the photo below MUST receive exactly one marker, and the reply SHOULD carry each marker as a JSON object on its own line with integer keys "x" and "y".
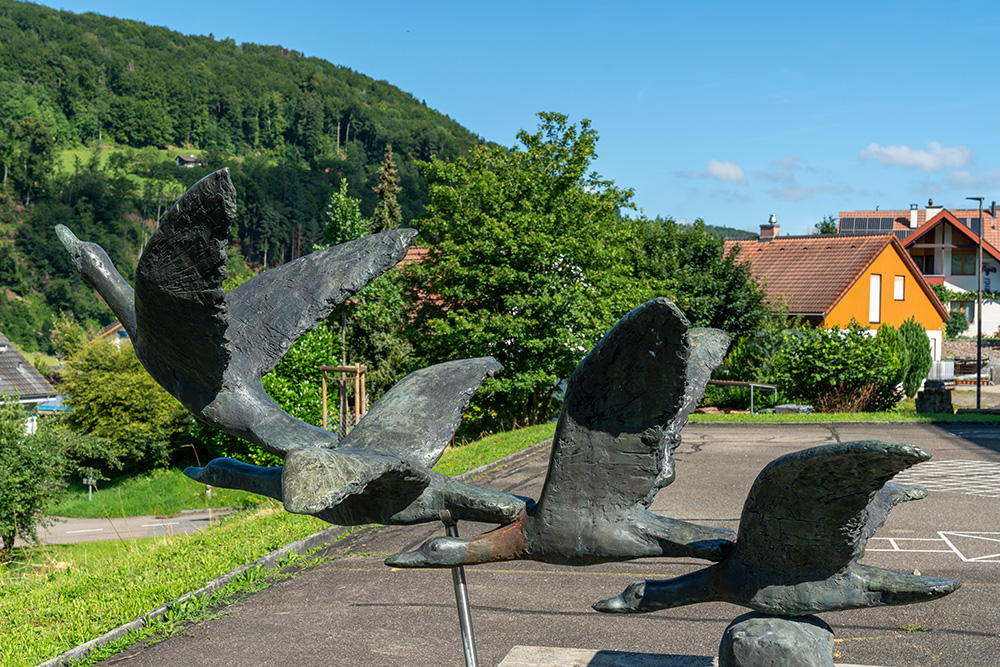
{"x": 811, "y": 273}
{"x": 18, "y": 376}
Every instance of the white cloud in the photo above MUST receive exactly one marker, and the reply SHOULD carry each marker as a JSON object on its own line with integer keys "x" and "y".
{"x": 729, "y": 172}
{"x": 799, "y": 193}
{"x": 937, "y": 157}
{"x": 726, "y": 171}
{"x": 784, "y": 170}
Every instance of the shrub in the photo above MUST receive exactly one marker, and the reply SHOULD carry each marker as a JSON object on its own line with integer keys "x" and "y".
{"x": 917, "y": 364}
{"x": 958, "y": 325}
{"x": 838, "y": 370}
{"x": 30, "y": 476}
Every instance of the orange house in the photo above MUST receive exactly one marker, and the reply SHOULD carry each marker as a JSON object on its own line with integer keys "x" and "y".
{"x": 828, "y": 280}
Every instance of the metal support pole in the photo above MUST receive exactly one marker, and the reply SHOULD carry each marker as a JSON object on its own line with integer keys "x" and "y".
{"x": 979, "y": 308}
{"x": 461, "y": 597}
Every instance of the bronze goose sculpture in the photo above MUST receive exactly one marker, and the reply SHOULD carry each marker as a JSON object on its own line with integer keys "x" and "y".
{"x": 210, "y": 349}
{"x": 613, "y": 450}
{"x": 804, "y": 528}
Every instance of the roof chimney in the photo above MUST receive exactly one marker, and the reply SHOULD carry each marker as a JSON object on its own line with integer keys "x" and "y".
{"x": 932, "y": 210}
{"x": 770, "y": 230}
{"x": 914, "y": 214}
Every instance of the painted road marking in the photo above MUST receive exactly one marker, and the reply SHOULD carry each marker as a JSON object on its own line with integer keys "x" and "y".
{"x": 157, "y": 525}
{"x": 88, "y": 530}
{"x": 969, "y": 546}
{"x": 974, "y": 478}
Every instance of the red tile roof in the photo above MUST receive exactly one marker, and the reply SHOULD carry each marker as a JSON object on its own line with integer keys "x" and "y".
{"x": 989, "y": 247}
{"x": 811, "y": 273}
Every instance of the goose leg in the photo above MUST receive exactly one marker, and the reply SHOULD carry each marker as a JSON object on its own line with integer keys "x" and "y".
{"x": 679, "y": 539}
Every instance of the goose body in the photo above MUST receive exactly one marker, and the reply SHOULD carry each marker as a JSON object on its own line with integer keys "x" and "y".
{"x": 613, "y": 449}
{"x": 210, "y": 349}
{"x": 804, "y": 528}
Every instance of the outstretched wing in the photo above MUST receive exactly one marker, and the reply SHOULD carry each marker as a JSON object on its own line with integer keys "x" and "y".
{"x": 270, "y": 312}
{"x": 179, "y": 300}
{"x": 416, "y": 419}
{"x": 813, "y": 510}
{"x": 707, "y": 349}
{"x": 610, "y": 442}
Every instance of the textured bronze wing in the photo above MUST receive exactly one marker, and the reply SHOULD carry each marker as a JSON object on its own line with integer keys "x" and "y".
{"x": 813, "y": 510}
{"x": 417, "y": 418}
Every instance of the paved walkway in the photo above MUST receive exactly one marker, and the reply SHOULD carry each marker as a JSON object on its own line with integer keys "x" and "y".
{"x": 355, "y": 611}
{"x": 69, "y": 531}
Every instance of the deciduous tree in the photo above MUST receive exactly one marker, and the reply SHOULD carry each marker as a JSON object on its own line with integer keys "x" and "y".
{"x": 529, "y": 264}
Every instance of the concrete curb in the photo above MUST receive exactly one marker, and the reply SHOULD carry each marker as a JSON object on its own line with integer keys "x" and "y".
{"x": 270, "y": 561}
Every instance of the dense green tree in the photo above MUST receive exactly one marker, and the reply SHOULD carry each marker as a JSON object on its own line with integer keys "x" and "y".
{"x": 689, "y": 265}
{"x": 387, "y": 214}
{"x": 529, "y": 264}
{"x": 344, "y": 221}
{"x": 828, "y": 225}
{"x": 113, "y": 397}
{"x": 30, "y": 474}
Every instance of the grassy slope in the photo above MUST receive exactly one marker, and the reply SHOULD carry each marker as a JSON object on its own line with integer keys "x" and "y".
{"x": 78, "y": 592}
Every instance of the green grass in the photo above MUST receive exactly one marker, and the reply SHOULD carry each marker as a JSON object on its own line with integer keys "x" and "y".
{"x": 163, "y": 492}
{"x": 53, "y": 598}
{"x": 457, "y": 460}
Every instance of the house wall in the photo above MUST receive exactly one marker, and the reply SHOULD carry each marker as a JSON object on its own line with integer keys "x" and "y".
{"x": 855, "y": 304}
{"x": 946, "y": 235}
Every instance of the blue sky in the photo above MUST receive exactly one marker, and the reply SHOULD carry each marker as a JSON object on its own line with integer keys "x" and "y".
{"x": 726, "y": 111}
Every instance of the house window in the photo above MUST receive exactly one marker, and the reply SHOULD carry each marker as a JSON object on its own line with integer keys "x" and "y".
{"x": 875, "y": 298}
{"x": 967, "y": 307}
{"x": 898, "y": 288}
{"x": 963, "y": 262}
{"x": 924, "y": 259}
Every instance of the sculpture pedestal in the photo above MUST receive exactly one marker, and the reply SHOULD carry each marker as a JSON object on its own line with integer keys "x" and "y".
{"x": 755, "y": 639}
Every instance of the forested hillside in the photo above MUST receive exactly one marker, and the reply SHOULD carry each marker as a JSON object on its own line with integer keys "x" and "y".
{"x": 129, "y": 98}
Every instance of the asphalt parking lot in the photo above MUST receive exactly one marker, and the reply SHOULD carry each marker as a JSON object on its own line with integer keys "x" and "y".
{"x": 353, "y": 610}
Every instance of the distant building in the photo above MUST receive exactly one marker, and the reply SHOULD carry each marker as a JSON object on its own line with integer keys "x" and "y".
{"x": 19, "y": 378}
{"x": 829, "y": 280}
{"x": 943, "y": 244}
{"x": 188, "y": 161}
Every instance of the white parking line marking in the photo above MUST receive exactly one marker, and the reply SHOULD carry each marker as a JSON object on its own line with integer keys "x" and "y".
{"x": 154, "y": 525}
{"x": 88, "y": 530}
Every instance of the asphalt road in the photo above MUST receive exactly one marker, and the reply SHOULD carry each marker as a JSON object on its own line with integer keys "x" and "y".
{"x": 68, "y": 531}
{"x": 355, "y": 611}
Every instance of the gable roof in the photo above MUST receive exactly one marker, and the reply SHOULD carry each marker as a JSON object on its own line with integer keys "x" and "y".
{"x": 947, "y": 217}
{"x": 19, "y": 377}
{"x": 813, "y": 273}
{"x": 901, "y": 220}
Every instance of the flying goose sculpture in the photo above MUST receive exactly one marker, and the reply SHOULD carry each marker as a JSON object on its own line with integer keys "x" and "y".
{"x": 612, "y": 451}
{"x": 210, "y": 349}
{"x": 804, "y": 528}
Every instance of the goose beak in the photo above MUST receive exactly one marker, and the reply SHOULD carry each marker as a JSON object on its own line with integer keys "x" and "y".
{"x": 615, "y": 605}
{"x": 69, "y": 241}
{"x": 628, "y": 602}
{"x": 195, "y": 473}
{"x": 438, "y": 552}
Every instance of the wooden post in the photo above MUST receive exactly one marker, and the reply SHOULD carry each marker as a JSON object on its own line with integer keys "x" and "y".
{"x": 357, "y": 393}
{"x": 323, "y": 375}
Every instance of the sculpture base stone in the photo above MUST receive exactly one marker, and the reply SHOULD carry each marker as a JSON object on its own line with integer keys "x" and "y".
{"x": 754, "y": 640}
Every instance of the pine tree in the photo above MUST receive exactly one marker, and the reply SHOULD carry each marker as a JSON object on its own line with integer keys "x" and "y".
{"x": 387, "y": 214}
